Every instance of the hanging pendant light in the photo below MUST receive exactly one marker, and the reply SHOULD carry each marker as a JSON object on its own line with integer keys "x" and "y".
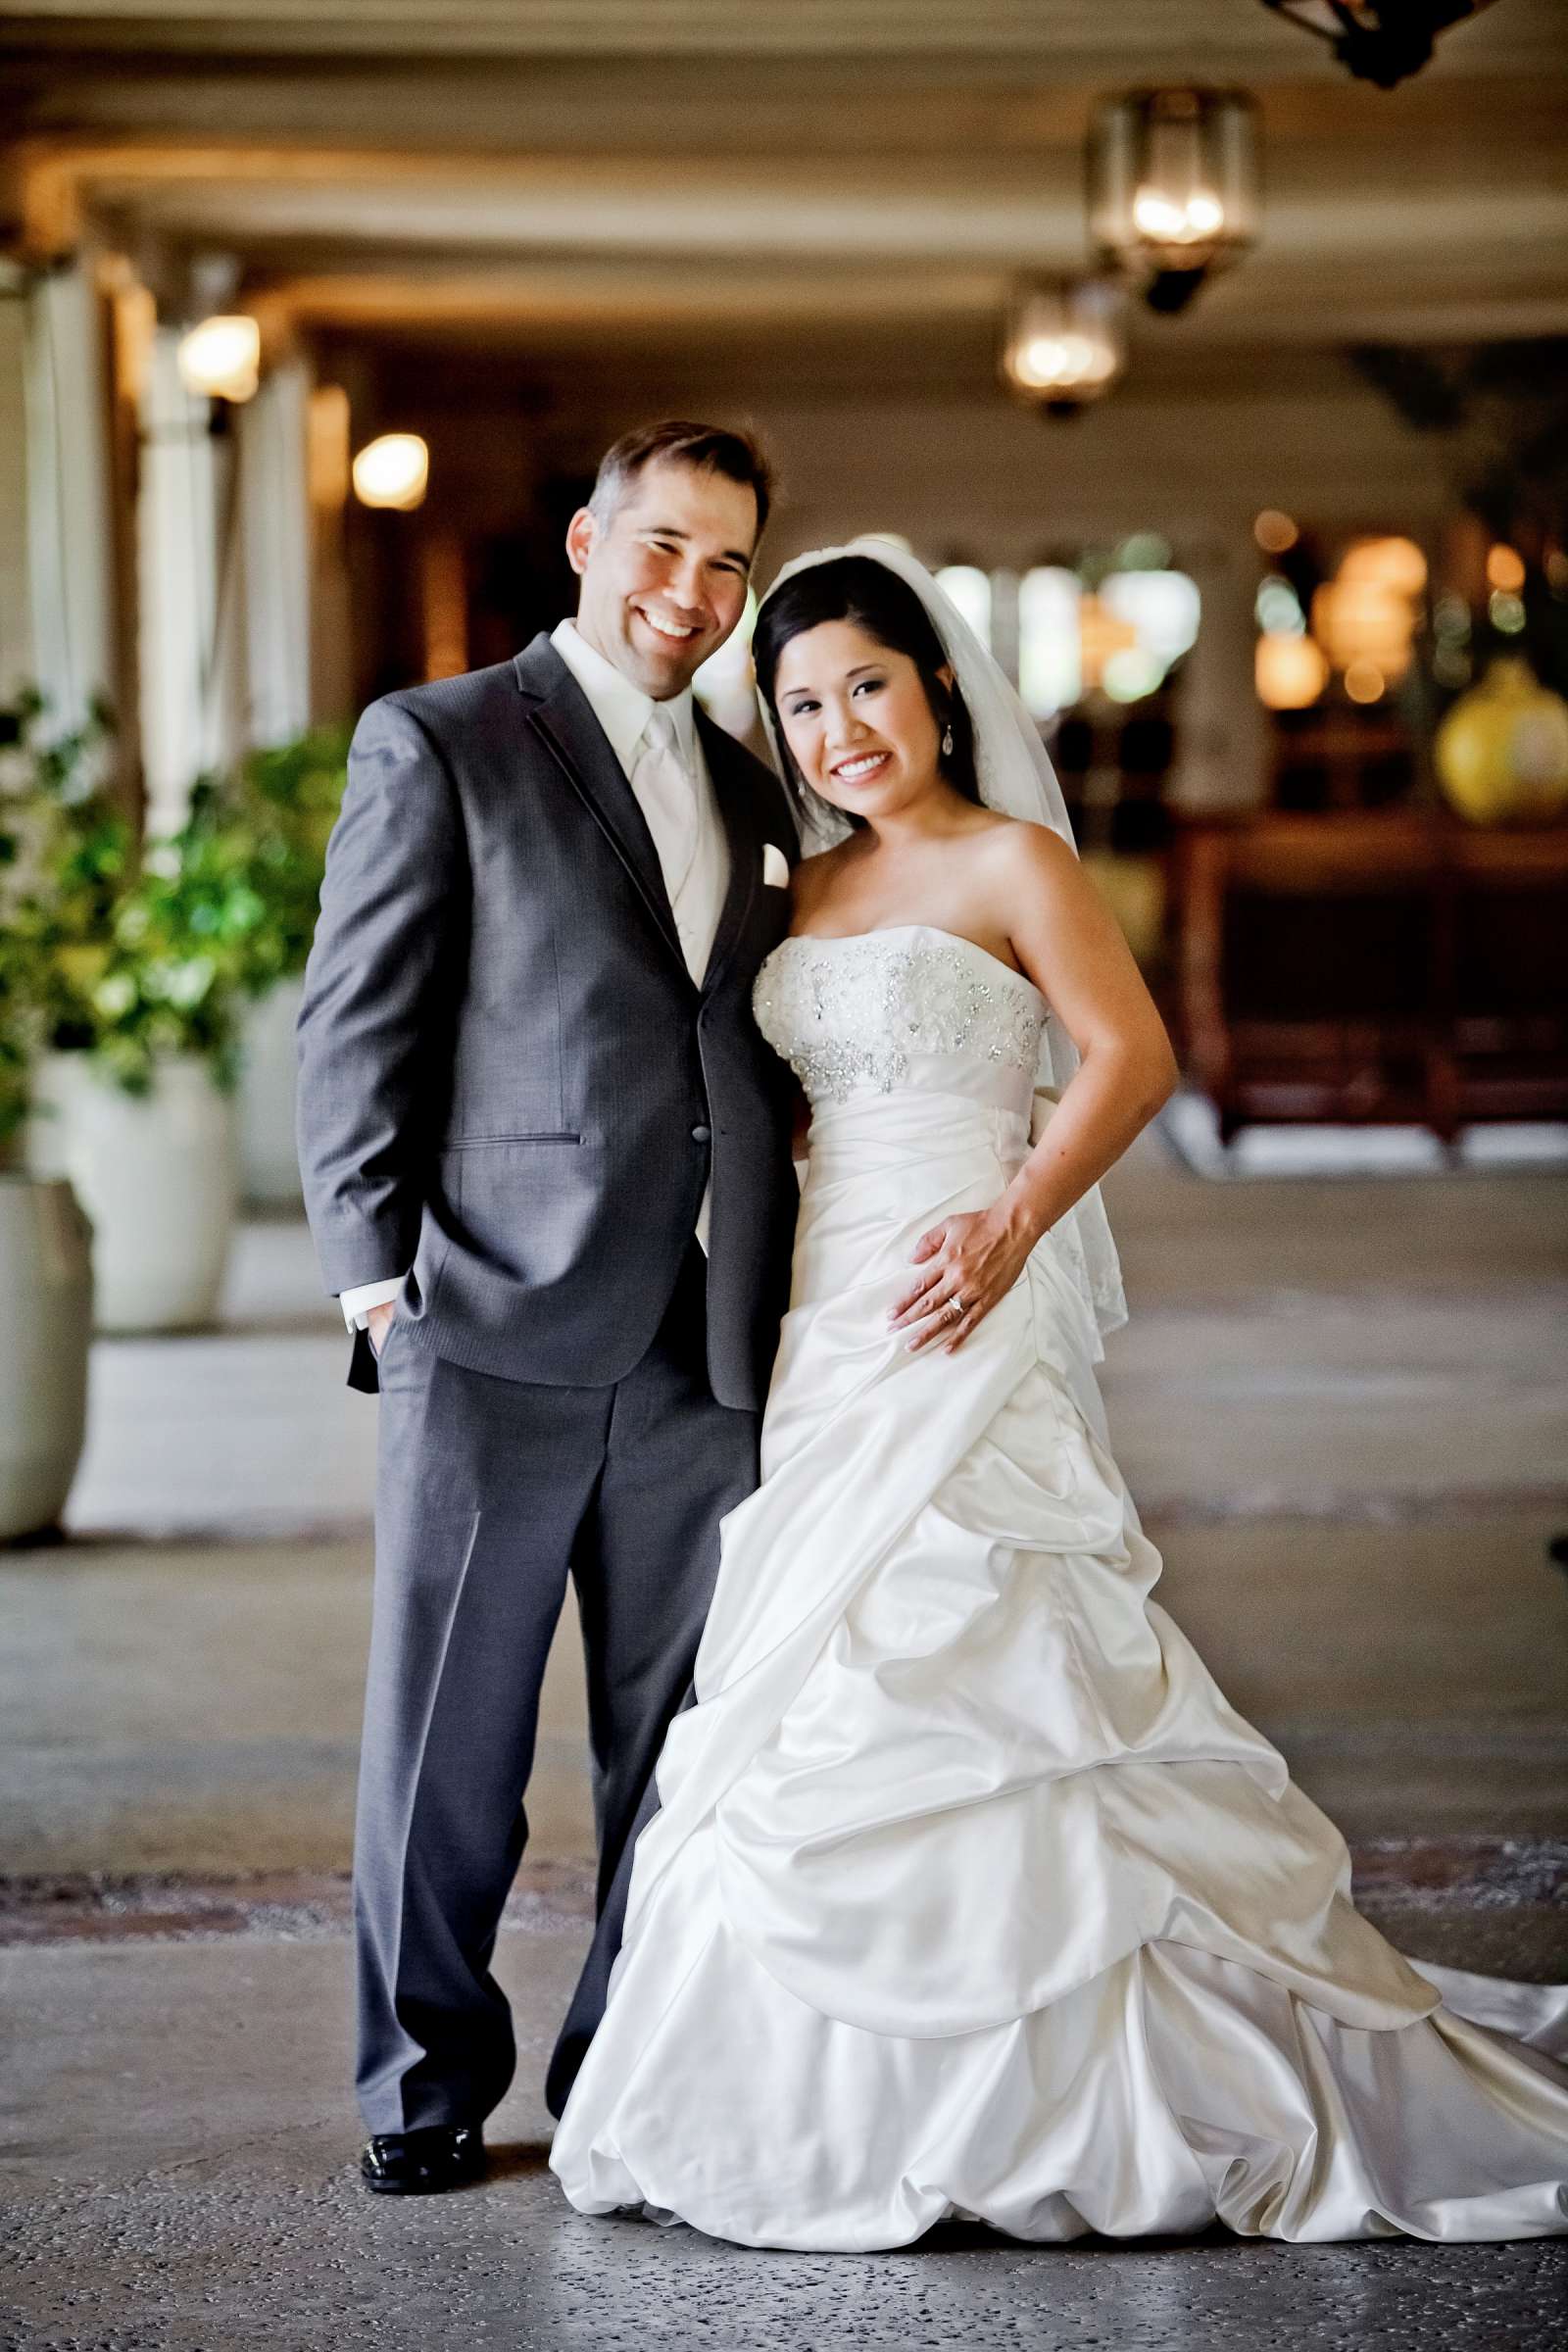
{"x": 1173, "y": 187}
{"x": 1378, "y": 40}
{"x": 1063, "y": 344}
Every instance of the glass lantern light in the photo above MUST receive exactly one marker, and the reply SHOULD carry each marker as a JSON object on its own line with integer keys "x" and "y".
{"x": 1383, "y": 41}
{"x": 1064, "y": 344}
{"x": 1172, "y": 189}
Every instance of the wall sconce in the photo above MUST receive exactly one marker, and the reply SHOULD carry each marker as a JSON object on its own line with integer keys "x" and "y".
{"x": 392, "y": 472}
{"x": 1172, "y": 187}
{"x": 221, "y": 358}
{"x": 1064, "y": 344}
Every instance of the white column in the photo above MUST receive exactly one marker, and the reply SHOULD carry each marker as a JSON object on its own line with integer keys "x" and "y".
{"x": 1221, "y": 739}
{"x": 191, "y": 642}
{"x": 65, "y": 460}
{"x": 16, "y": 602}
{"x": 276, "y": 546}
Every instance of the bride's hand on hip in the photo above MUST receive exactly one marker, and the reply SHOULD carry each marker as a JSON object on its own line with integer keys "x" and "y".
{"x": 966, "y": 1265}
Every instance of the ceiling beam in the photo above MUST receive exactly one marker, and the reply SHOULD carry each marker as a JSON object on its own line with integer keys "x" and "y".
{"x": 1172, "y": 39}
{"x": 819, "y": 208}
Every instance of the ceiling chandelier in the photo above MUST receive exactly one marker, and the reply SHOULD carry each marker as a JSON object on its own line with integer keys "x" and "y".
{"x": 1063, "y": 344}
{"x": 1378, "y": 40}
{"x": 1172, "y": 187}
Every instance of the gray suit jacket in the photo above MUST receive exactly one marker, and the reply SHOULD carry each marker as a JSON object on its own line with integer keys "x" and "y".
{"x": 509, "y": 1081}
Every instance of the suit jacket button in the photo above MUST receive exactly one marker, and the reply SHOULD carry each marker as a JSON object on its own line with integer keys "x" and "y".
{"x": 702, "y": 1135}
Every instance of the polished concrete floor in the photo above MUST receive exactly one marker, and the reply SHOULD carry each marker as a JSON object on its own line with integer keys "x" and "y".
{"x": 1343, "y": 1405}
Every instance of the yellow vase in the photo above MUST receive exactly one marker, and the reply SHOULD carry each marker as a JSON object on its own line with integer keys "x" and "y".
{"x": 1502, "y": 754}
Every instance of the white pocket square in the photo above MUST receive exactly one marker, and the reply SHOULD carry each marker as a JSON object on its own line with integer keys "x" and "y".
{"x": 775, "y": 866}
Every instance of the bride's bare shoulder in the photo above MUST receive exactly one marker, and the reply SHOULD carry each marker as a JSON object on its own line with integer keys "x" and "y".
{"x": 1028, "y": 852}
{"x": 1007, "y": 853}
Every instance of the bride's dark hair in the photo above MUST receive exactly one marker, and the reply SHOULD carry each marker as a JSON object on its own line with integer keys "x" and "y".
{"x": 859, "y": 589}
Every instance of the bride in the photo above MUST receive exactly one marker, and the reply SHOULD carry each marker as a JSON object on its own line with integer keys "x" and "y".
{"x": 969, "y": 1895}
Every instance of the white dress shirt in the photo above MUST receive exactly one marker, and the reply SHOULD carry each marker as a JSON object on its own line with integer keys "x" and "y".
{"x": 623, "y": 712}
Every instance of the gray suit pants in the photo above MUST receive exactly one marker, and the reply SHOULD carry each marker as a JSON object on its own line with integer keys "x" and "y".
{"x": 489, "y": 1493}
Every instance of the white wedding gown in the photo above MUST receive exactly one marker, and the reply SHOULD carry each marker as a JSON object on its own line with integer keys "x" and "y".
{"x": 971, "y": 1896}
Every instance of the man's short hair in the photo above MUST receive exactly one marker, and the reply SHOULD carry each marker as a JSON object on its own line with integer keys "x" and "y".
{"x": 675, "y": 440}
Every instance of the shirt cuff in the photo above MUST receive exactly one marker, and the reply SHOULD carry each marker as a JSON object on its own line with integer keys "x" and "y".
{"x": 358, "y": 1302}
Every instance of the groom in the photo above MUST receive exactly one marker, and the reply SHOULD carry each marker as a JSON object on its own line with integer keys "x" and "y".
{"x": 546, "y": 1161}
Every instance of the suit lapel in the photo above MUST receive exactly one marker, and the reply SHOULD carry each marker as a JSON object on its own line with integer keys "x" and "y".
{"x": 737, "y": 808}
{"x": 559, "y": 713}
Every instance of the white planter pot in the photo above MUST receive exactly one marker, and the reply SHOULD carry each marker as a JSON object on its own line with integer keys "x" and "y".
{"x": 269, "y": 1168}
{"x": 157, "y": 1175}
{"x": 46, "y": 1286}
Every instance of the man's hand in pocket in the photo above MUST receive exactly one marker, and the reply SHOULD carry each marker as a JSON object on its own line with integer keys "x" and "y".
{"x": 379, "y": 1322}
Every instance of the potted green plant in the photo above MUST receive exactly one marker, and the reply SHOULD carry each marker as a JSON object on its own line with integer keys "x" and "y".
{"x": 285, "y": 800}
{"x": 141, "y": 956}
{"x": 45, "y": 1255}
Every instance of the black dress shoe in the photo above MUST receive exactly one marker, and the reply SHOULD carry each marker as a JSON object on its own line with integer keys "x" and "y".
{"x": 420, "y": 2164}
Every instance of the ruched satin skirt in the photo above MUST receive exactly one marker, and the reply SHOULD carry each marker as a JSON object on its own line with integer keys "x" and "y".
{"x": 970, "y": 1896}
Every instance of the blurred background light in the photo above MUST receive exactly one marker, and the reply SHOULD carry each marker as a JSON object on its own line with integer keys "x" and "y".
{"x": 221, "y": 358}
{"x": 1278, "y": 607}
{"x": 1290, "y": 670}
{"x": 970, "y": 590}
{"x": 1397, "y": 565}
{"x": 1365, "y": 617}
{"x": 393, "y": 471}
{"x": 1163, "y": 608}
{"x": 1274, "y": 531}
{"x": 1050, "y": 670}
{"x": 1142, "y": 551}
{"x": 1131, "y": 673}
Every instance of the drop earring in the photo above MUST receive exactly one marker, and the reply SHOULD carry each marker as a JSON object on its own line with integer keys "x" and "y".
{"x": 946, "y": 743}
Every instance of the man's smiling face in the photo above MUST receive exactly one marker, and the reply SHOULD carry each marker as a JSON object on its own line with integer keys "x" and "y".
{"x": 663, "y": 576}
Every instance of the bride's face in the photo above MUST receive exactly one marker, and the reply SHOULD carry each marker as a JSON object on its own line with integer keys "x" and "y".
{"x": 857, "y": 719}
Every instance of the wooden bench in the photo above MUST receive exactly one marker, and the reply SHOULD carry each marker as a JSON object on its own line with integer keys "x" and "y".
{"x": 1394, "y": 966}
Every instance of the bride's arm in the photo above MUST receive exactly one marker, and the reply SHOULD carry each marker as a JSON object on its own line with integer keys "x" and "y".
{"x": 1068, "y": 942}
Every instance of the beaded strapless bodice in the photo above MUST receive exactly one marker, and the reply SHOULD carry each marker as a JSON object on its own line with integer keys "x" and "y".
{"x": 905, "y": 1009}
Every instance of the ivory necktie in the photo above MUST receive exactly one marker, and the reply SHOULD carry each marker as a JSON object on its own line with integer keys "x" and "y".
{"x": 667, "y": 795}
